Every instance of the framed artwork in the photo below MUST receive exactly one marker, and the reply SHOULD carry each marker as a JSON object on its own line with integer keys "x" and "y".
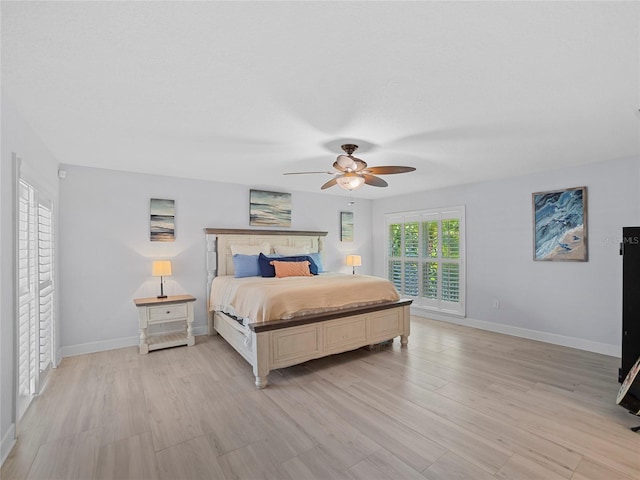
{"x": 269, "y": 209}
{"x": 346, "y": 226}
{"x": 560, "y": 225}
{"x": 162, "y": 221}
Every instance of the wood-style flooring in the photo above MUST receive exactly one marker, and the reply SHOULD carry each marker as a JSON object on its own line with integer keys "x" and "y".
{"x": 457, "y": 403}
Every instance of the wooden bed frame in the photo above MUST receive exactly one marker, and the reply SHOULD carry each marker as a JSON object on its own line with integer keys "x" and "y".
{"x": 282, "y": 343}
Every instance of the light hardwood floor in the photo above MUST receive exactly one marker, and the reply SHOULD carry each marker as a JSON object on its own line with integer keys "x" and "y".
{"x": 457, "y": 403}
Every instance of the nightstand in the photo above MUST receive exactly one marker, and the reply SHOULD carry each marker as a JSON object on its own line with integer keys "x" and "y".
{"x": 154, "y": 311}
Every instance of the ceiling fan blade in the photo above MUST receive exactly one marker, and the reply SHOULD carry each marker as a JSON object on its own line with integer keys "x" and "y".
{"x": 360, "y": 164}
{"x": 374, "y": 181}
{"x": 344, "y": 163}
{"x": 305, "y": 173}
{"x": 388, "y": 170}
{"x": 330, "y": 183}
{"x": 347, "y": 163}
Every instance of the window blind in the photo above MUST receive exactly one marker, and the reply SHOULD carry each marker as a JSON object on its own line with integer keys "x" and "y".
{"x": 45, "y": 284}
{"x": 26, "y": 296}
{"x": 35, "y": 292}
{"x": 425, "y": 257}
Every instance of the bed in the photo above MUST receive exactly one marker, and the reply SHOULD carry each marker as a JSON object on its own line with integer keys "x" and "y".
{"x": 293, "y": 338}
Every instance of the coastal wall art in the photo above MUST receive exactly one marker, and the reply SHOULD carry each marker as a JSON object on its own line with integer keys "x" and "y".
{"x": 346, "y": 226}
{"x": 560, "y": 225}
{"x": 162, "y": 221}
{"x": 269, "y": 209}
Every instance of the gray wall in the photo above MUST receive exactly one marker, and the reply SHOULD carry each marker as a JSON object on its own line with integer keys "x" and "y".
{"x": 570, "y": 303}
{"x": 106, "y": 254}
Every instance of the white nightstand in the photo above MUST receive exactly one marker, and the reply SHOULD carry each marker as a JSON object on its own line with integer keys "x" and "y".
{"x": 153, "y": 311}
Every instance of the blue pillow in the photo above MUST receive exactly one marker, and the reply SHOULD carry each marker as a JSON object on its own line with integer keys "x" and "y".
{"x": 246, "y": 266}
{"x": 315, "y": 258}
{"x": 268, "y": 270}
{"x": 313, "y": 266}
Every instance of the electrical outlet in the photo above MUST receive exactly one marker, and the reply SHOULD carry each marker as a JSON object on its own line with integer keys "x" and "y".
{"x": 496, "y": 303}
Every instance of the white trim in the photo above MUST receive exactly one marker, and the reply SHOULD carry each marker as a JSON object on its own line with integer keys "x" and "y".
{"x": 58, "y": 358}
{"x": 103, "y": 345}
{"x": 555, "y": 339}
{"x": 100, "y": 346}
{"x": 8, "y": 441}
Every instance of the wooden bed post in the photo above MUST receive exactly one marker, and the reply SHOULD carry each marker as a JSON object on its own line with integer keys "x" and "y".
{"x": 406, "y": 326}
{"x": 261, "y": 358}
{"x": 212, "y": 262}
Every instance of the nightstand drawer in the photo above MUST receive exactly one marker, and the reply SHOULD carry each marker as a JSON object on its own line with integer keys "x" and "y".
{"x": 167, "y": 312}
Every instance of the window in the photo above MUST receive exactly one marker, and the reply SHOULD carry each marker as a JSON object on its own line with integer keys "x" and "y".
{"x": 425, "y": 257}
{"x": 35, "y": 290}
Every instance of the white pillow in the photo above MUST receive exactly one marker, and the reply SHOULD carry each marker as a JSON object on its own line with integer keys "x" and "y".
{"x": 285, "y": 250}
{"x": 264, "y": 247}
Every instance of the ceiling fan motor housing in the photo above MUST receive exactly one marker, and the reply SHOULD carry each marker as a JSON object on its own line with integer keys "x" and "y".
{"x": 349, "y": 148}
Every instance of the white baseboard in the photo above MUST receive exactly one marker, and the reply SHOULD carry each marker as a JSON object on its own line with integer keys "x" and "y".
{"x": 100, "y": 346}
{"x": 58, "y": 358}
{"x": 8, "y": 441}
{"x": 103, "y": 345}
{"x": 200, "y": 330}
{"x": 573, "y": 342}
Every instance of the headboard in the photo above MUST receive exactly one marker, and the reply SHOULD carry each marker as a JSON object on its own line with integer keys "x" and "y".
{"x": 219, "y": 241}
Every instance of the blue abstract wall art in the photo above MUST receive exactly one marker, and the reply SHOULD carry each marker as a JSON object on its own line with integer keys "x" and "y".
{"x": 560, "y": 225}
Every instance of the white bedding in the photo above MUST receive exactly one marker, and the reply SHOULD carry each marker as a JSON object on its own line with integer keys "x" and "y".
{"x": 257, "y": 299}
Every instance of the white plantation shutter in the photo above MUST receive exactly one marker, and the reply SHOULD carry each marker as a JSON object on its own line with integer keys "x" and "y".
{"x": 425, "y": 257}
{"x": 45, "y": 285}
{"x": 35, "y": 293}
{"x": 26, "y": 296}
{"x": 395, "y": 273}
{"x": 450, "y": 254}
{"x": 450, "y": 282}
{"x": 430, "y": 280}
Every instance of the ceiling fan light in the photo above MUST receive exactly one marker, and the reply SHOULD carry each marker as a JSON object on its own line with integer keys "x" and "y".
{"x": 350, "y": 181}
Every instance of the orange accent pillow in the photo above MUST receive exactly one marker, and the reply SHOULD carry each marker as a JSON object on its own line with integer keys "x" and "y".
{"x": 291, "y": 269}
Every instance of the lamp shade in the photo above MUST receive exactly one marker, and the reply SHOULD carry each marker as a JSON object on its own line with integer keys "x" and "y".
{"x": 161, "y": 268}
{"x": 354, "y": 260}
{"x": 350, "y": 181}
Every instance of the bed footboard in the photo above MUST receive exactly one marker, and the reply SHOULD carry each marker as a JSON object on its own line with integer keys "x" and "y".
{"x": 284, "y": 346}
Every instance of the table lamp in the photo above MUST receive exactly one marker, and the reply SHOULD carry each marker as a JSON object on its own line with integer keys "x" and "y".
{"x": 354, "y": 261}
{"x": 161, "y": 268}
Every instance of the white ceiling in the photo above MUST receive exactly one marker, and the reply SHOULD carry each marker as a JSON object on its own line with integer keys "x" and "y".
{"x": 245, "y": 91}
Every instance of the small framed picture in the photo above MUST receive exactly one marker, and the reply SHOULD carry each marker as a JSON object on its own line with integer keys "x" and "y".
{"x": 346, "y": 226}
{"x": 162, "y": 221}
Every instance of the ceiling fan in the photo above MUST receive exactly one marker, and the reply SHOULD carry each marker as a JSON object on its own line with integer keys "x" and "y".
{"x": 352, "y": 173}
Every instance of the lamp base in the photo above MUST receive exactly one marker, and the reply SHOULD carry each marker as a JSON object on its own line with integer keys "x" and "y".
{"x": 162, "y": 295}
